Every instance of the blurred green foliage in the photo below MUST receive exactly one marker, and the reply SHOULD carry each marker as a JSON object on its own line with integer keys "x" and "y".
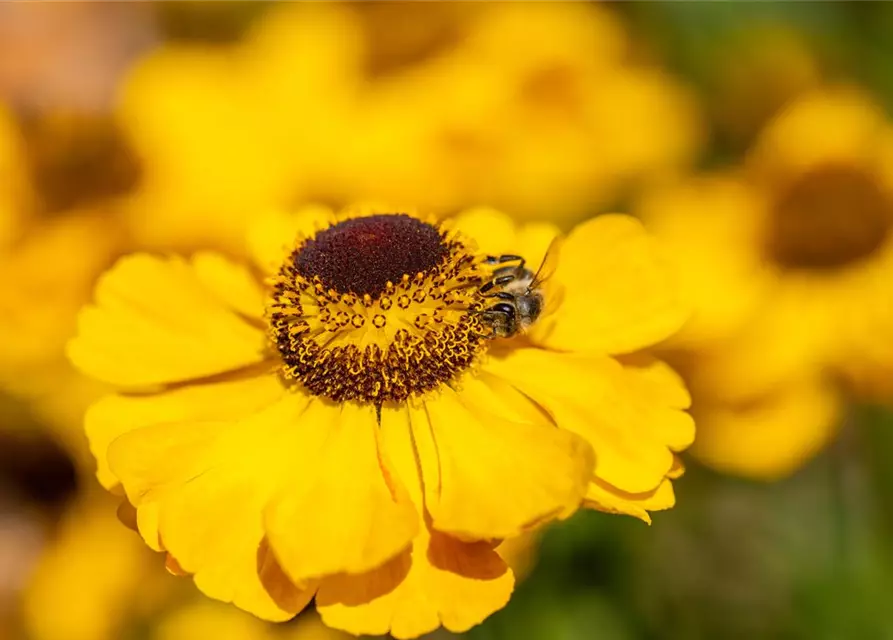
{"x": 809, "y": 557}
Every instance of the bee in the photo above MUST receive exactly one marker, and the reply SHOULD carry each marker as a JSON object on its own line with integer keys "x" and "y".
{"x": 520, "y": 293}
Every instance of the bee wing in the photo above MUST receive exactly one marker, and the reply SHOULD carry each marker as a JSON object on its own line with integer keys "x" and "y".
{"x": 552, "y": 293}
{"x": 549, "y": 263}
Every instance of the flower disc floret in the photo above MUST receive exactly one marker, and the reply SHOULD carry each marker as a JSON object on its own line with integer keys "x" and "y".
{"x": 377, "y": 309}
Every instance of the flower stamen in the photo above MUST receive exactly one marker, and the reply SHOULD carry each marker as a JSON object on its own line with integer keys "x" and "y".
{"x": 377, "y": 309}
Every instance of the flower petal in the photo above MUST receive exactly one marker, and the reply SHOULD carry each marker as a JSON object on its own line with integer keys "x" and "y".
{"x": 144, "y": 522}
{"x": 496, "y": 233}
{"x": 440, "y": 581}
{"x": 618, "y": 294}
{"x": 492, "y": 230}
{"x": 849, "y": 120}
{"x": 210, "y": 482}
{"x": 491, "y": 476}
{"x": 86, "y": 578}
{"x": 533, "y": 240}
{"x": 665, "y": 392}
{"x": 207, "y": 619}
{"x": 797, "y": 333}
{"x": 520, "y": 552}
{"x": 340, "y": 509}
{"x": 115, "y": 415}
{"x": 709, "y": 227}
{"x": 273, "y": 235}
{"x": 233, "y": 283}
{"x": 606, "y": 498}
{"x": 771, "y": 437}
{"x": 597, "y": 398}
{"x": 155, "y": 322}
{"x": 443, "y": 581}
{"x": 147, "y": 526}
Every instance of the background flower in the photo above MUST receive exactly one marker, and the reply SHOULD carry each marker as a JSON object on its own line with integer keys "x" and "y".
{"x": 786, "y": 264}
{"x": 305, "y": 106}
{"x": 170, "y": 126}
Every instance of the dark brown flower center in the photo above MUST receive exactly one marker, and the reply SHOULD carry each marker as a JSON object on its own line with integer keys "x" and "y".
{"x": 377, "y": 309}
{"x": 79, "y": 160}
{"x": 362, "y": 255}
{"x": 832, "y": 217}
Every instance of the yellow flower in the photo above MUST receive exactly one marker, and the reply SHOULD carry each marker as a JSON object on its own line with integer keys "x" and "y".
{"x": 95, "y": 580}
{"x": 208, "y": 619}
{"x": 349, "y": 429}
{"x": 60, "y": 175}
{"x": 13, "y": 184}
{"x": 769, "y": 436}
{"x": 787, "y": 265}
{"x": 813, "y": 235}
{"x": 533, "y": 107}
{"x": 92, "y": 579}
{"x": 520, "y": 553}
{"x": 76, "y": 160}
{"x": 758, "y": 70}
{"x": 870, "y": 379}
{"x": 416, "y": 34}
{"x": 223, "y": 133}
{"x": 49, "y": 275}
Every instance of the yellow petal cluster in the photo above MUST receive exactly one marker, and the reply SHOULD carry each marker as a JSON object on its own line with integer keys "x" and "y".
{"x": 13, "y": 195}
{"x": 58, "y": 232}
{"x": 95, "y": 580}
{"x": 787, "y": 264}
{"x": 388, "y": 515}
{"x": 524, "y": 106}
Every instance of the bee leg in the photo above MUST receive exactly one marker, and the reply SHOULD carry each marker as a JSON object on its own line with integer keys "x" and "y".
{"x": 497, "y": 282}
{"x": 507, "y": 257}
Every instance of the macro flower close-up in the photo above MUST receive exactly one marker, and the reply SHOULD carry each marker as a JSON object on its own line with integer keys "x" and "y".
{"x": 481, "y": 320}
{"x": 364, "y": 413}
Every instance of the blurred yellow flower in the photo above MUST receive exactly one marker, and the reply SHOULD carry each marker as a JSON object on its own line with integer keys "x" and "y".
{"x": 520, "y": 553}
{"x": 761, "y": 68}
{"x": 787, "y": 266}
{"x": 531, "y": 107}
{"x": 61, "y": 174}
{"x": 76, "y": 160}
{"x": 48, "y": 275}
{"x": 870, "y": 380}
{"x": 208, "y": 619}
{"x": 769, "y": 436}
{"x": 421, "y": 439}
{"x": 13, "y": 184}
{"x": 95, "y": 580}
{"x": 92, "y": 579}
{"x": 534, "y": 109}
{"x": 223, "y": 133}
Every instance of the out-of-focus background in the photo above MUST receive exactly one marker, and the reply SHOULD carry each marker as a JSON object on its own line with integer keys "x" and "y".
{"x": 754, "y": 138}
